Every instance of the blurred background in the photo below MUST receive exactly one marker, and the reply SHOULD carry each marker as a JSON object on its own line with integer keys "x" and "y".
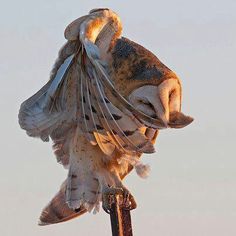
{"x": 191, "y": 190}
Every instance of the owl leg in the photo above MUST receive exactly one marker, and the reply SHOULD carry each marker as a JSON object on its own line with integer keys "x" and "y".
{"x": 120, "y": 195}
{"x": 109, "y": 196}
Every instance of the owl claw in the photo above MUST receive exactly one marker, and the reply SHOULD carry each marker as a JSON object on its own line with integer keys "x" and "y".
{"x": 122, "y": 196}
{"x": 129, "y": 202}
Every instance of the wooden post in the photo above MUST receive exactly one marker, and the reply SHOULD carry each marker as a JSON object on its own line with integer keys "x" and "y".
{"x": 120, "y": 219}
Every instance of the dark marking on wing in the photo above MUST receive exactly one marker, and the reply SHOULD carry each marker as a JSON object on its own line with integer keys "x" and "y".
{"x": 129, "y": 132}
{"x": 114, "y": 132}
{"x": 116, "y": 117}
{"x": 99, "y": 127}
{"x": 93, "y": 109}
{"x": 106, "y": 100}
{"x": 154, "y": 116}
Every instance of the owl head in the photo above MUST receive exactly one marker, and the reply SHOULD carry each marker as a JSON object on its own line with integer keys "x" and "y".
{"x": 147, "y": 83}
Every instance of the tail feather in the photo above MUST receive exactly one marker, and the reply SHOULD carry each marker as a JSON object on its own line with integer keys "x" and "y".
{"x": 58, "y": 211}
{"x": 82, "y": 188}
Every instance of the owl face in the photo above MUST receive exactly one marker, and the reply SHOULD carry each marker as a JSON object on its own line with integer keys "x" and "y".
{"x": 162, "y": 101}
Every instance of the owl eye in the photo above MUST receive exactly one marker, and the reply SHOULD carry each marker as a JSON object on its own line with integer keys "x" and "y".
{"x": 145, "y": 102}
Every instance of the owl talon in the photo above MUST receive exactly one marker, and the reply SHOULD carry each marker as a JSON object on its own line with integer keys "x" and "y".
{"x": 109, "y": 197}
{"x": 129, "y": 202}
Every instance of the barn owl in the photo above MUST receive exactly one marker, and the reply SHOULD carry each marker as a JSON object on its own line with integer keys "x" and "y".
{"x": 105, "y": 101}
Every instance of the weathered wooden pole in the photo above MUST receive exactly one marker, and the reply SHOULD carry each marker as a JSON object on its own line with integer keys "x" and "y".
{"x": 120, "y": 218}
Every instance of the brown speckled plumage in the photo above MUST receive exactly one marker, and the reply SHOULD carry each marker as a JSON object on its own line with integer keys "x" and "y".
{"x": 132, "y": 66}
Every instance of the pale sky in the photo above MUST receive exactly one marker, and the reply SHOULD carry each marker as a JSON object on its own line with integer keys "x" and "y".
{"x": 191, "y": 190}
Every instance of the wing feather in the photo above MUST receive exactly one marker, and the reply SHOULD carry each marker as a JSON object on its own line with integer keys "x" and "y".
{"x": 38, "y": 115}
{"x": 84, "y": 123}
{"x": 118, "y": 121}
{"x": 103, "y": 119}
{"x": 100, "y": 135}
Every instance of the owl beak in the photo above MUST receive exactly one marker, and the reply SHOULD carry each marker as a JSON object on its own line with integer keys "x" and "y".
{"x": 179, "y": 120}
{"x": 162, "y": 102}
{"x": 168, "y": 104}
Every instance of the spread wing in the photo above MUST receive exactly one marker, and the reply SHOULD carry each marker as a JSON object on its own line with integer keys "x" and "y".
{"x": 53, "y": 104}
{"x": 51, "y": 112}
{"x": 81, "y": 94}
